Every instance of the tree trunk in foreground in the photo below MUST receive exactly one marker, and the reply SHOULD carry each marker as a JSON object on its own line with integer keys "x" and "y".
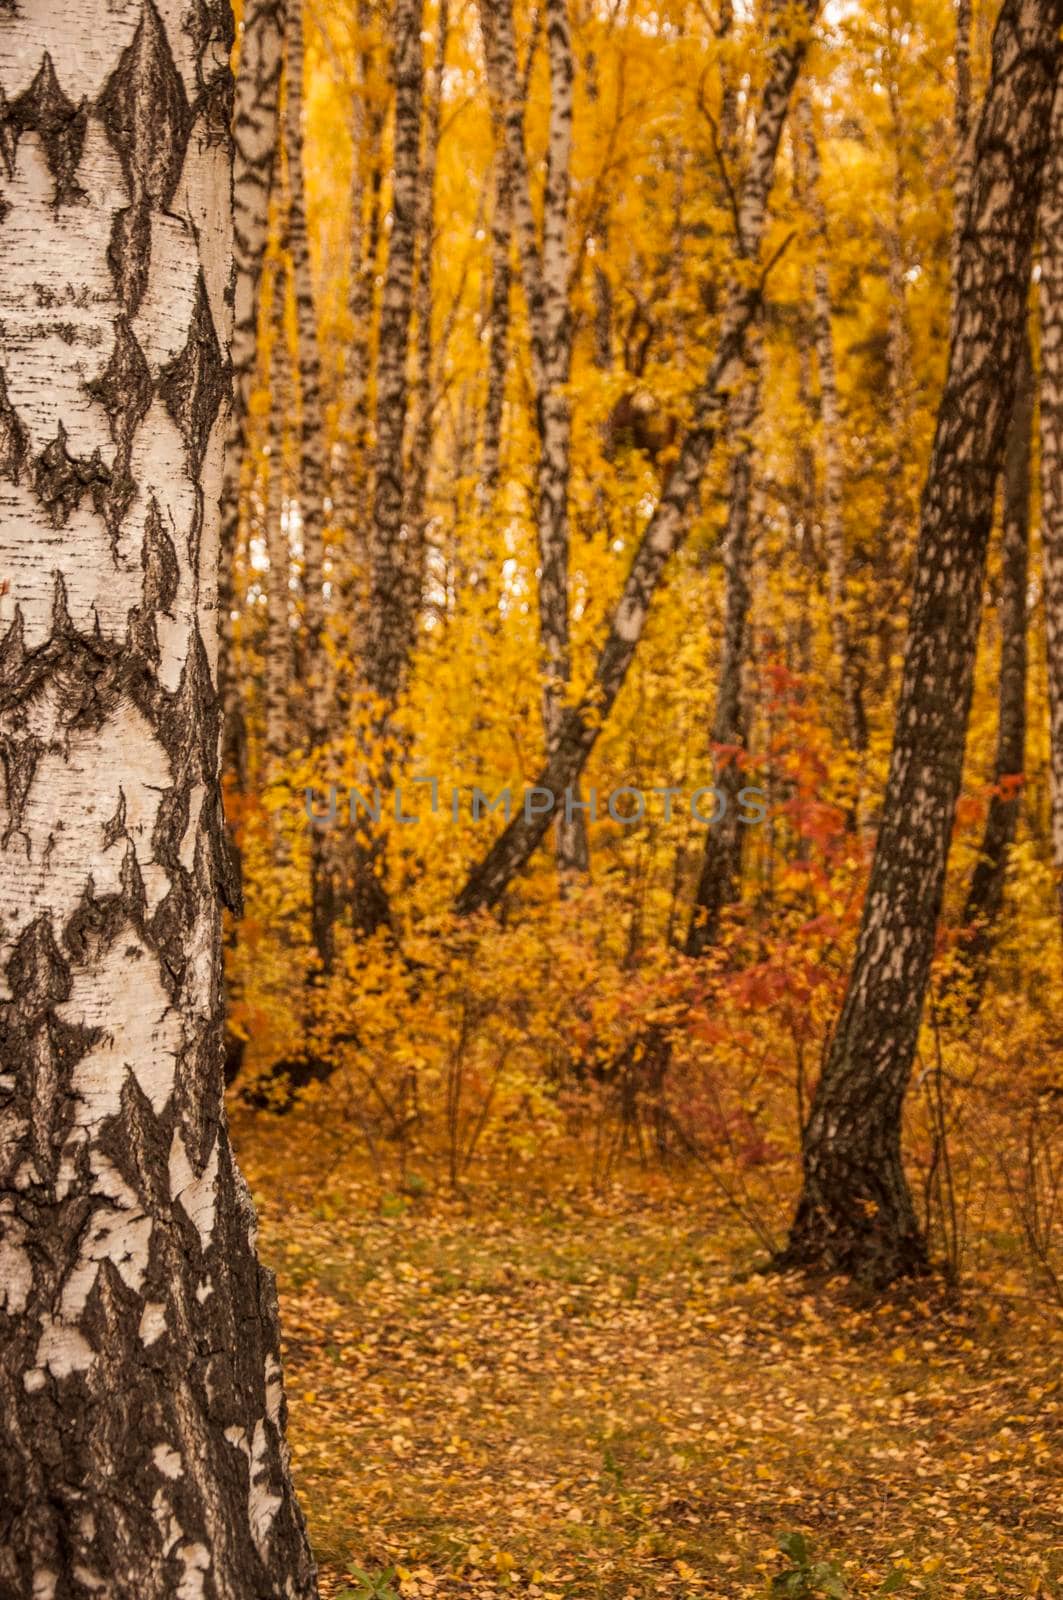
{"x": 140, "y": 1380}
{"x": 1051, "y": 419}
{"x": 855, "y": 1213}
{"x": 668, "y": 524}
{"x": 985, "y": 895}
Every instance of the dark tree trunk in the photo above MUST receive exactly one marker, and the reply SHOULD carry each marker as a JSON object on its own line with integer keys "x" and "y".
{"x": 855, "y": 1213}
{"x": 140, "y": 1382}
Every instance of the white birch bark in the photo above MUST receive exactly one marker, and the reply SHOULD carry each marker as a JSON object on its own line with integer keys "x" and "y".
{"x": 139, "y": 1374}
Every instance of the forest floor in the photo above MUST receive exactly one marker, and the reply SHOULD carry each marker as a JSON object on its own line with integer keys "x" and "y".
{"x": 533, "y": 1390}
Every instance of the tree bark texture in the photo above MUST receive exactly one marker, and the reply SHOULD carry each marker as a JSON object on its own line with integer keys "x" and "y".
{"x": 140, "y": 1381}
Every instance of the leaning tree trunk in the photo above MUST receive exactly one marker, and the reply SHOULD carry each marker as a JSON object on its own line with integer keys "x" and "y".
{"x": 668, "y": 524}
{"x": 985, "y": 895}
{"x": 1051, "y": 440}
{"x": 855, "y": 1213}
{"x": 255, "y": 115}
{"x": 140, "y": 1380}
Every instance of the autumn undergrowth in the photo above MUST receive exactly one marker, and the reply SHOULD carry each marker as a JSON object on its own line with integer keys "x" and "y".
{"x": 542, "y": 1383}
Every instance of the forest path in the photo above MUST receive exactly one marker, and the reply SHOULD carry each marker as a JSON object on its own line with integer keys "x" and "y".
{"x": 585, "y": 1397}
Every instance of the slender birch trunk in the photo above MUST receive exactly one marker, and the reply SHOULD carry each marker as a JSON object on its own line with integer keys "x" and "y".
{"x": 140, "y": 1380}
{"x": 721, "y": 864}
{"x": 311, "y": 481}
{"x": 1051, "y": 441}
{"x": 498, "y": 334}
{"x": 390, "y": 623}
{"x": 833, "y": 478}
{"x": 855, "y": 1213}
{"x": 668, "y": 524}
{"x": 278, "y": 647}
{"x": 961, "y": 182}
{"x": 545, "y": 275}
{"x": 424, "y": 388}
{"x": 392, "y": 616}
{"x": 255, "y": 122}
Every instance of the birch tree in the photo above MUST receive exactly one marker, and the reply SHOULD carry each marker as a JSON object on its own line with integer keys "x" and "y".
{"x": 391, "y": 619}
{"x": 833, "y": 476}
{"x": 1051, "y": 442}
{"x": 255, "y": 119}
{"x": 855, "y": 1213}
{"x": 140, "y": 1381}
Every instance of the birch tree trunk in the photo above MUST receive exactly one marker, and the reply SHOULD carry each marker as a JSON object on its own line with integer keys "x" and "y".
{"x": 1051, "y": 441}
{"x": 424, "y": 394}
{"x": 667, "y": 526}
{"x": 721, "y": 861}
{"x": 961, "y": 182}
{"x": 390, "y": 624}
{"x": 278, "y": 648}
{"x": 311, "y": 497}
{"x": 498, "y": 335}
{"x": 985, "y": 895}
{"x": 140, "y": 1379}
{"x": 255, "y": 118}
{"x": 545, "y": 275}
{"x": 833, "y": 480}
{"x": 391, "y": 620}
{"x": 855, "y": 1213}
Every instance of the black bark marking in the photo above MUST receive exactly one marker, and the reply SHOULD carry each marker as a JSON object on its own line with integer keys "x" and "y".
{"x": 124, "y": 389}
{"x": 19, "y": 755}
{"x": 194, "y": 384}
{"x": 14, "y": 441}
{"x": 145, "y": 112}
{"x": 60, "y": 480}
{"x": 44, "y": 109}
